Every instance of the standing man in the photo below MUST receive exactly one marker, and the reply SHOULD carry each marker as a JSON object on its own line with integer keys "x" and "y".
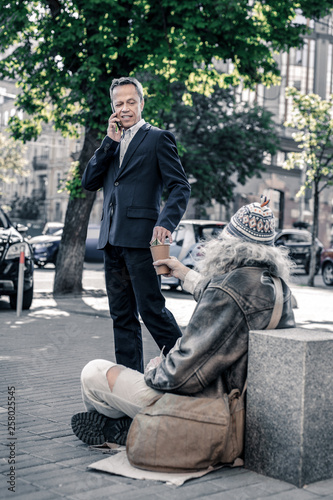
{"x": 133, "y": 164}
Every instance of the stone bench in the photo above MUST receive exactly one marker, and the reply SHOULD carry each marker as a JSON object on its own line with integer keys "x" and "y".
{"x": 289, "y": 408}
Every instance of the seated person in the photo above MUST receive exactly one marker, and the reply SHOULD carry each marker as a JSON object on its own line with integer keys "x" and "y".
{"x": 235, "y": 293}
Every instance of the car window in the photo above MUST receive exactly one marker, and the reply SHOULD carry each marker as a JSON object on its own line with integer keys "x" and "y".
{"x": 179, "y": 234}
{"x": 208, "y": 232}
{"x": 300, "y": 238}
{"x": 294, "y": 238}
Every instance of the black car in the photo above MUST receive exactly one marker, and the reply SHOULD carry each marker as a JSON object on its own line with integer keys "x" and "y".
{"x": 46, "y": 246}
{"x": 11, "y": 242}
{"x": 299, "y": 243}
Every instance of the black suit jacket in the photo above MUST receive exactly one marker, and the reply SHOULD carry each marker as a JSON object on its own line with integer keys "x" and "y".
{"x": 132, "y": 193}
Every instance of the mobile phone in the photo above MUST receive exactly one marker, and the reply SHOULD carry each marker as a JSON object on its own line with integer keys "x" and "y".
{"x": 118, "y": 124}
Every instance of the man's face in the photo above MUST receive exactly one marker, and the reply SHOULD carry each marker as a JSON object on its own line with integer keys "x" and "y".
{"x": 127, "y": 105}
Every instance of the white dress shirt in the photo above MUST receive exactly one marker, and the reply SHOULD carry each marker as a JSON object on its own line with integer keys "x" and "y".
{"x": 126, "y": 138}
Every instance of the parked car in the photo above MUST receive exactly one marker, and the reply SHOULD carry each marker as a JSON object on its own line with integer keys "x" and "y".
{"x": 46, "y": 246}
{"x": 327, "y": 266}
{"x": 52, "y": 227}
{"x": 92, "y": 254}
{"x": 11, "y": 241}
{"x": 299, "y": 243}
{"x": 186, "y": 243}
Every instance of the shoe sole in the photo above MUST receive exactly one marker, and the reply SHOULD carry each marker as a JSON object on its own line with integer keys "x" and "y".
{"x": 94, "y": 428}
{"x": 89, "y": 427}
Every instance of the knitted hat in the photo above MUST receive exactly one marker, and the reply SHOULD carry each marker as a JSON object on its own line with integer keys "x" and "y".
{"x": 254, "y": 222}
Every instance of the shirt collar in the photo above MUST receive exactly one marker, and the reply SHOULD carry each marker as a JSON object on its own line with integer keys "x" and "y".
{"x": 133, "y": 130}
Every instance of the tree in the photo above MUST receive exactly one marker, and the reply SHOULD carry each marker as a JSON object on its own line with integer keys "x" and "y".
{"x": 313, "y": 117}
{"x": 222, "y": 141}
{"x": 65, "y": 53}
{"x": 12, "y": 160}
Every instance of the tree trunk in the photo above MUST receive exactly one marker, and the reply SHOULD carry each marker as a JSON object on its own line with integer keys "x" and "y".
{"x": 313, "y": 259}
{"x": 69, "y": 268}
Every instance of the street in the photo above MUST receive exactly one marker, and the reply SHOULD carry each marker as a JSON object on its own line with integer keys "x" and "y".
{"x": 314, "y": 304}
{"x": 43, "y": 355}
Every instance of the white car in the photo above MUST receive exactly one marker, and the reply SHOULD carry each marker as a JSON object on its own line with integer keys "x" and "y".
{"x": 186, "y": 243}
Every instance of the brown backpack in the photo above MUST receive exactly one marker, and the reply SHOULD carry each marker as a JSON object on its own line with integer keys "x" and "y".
{"x": 182, "y": 433}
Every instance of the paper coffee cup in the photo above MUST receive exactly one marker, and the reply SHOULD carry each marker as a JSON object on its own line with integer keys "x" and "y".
{"x": 161, "y": 252}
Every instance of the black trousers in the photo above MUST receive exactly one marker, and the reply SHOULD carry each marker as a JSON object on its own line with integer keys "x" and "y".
{"x": 133, "y": 287}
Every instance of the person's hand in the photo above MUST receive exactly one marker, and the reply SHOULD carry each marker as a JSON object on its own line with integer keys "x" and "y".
{"x": 153, "y": 363}
{"x": 161, "y": 233}
{"x": 111, "y": 132}
{"x": 177, "y": 269}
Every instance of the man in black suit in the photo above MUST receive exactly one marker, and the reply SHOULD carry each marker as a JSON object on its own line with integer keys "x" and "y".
{"x": 133, "y": 164}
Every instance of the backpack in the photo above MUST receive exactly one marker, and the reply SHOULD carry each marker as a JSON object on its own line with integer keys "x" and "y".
{"x": 183, "y": 433}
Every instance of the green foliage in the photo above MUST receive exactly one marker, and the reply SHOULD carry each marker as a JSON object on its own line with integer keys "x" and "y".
{"x": 12, "y": 160}
{"x": 72, "y": 184}
{"x": 222, "y": 141}
{"x": 65, "y": 54}
{"x": 313, "y": 118}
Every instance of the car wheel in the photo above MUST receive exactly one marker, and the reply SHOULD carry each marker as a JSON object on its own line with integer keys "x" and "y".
{"x": 327, "y": 273}
{"x": 27, "y": 299}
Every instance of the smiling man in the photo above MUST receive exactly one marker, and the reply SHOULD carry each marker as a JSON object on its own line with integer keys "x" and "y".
{"x": 133, "y": 164}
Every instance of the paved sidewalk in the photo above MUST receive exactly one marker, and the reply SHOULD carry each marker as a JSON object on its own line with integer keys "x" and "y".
{"x": 42, "y": 355}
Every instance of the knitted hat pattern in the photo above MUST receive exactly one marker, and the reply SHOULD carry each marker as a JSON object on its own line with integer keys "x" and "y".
{"x": 254, "y": 222}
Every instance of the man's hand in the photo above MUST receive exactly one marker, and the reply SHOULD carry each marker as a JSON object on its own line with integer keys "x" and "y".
{"x": 161, "y": 233}
{"x": 177, "y": 269}
{"x": 111, "y": 132}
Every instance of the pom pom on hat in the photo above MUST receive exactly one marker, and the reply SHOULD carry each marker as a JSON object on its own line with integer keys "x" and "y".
{"x": 254, "y": 222}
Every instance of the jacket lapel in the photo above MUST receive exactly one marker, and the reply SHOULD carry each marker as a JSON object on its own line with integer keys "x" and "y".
{"x": 137, "y": 139}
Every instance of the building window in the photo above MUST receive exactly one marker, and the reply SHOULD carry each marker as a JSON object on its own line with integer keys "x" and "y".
{"x": 58, "y": 179}
{"x": 280, "y": 158}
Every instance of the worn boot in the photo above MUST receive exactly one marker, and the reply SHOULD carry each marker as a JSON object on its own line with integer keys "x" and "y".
{"x": 94, "y": 428}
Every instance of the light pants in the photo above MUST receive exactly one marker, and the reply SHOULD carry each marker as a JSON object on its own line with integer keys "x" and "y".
{"x": 130, "y": 392}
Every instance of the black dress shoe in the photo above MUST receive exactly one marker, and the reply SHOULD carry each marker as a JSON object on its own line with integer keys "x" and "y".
{"x": 94, "y": 428}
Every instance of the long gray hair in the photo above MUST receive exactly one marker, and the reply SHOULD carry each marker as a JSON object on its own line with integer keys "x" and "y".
{"x": 226, "y": 253}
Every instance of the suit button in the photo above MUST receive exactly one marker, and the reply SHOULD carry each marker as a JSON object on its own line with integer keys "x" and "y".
{"x": 116, "y": 183}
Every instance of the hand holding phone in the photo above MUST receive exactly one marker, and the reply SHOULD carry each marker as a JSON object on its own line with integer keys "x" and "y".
{"x": 118, "y": 125}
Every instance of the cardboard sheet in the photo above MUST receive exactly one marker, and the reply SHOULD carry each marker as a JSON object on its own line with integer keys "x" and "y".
{"x": 119, "y": 465}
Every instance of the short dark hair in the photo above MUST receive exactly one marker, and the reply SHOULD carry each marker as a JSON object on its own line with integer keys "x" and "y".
{"x": 127, "y": 80}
